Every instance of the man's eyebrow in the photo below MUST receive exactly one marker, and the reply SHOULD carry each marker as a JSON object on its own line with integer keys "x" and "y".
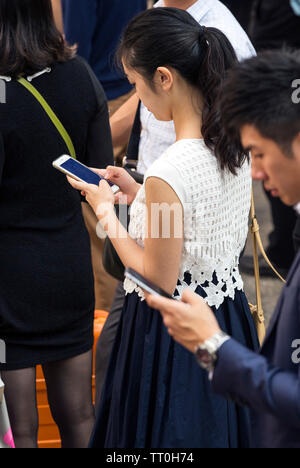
{"x": 250, "y": 148}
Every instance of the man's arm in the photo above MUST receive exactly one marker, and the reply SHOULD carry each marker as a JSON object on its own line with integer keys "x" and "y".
{"x": 121, "y": 122}
{"x": 250, "y": 379}
{"x": 58, "y": 16}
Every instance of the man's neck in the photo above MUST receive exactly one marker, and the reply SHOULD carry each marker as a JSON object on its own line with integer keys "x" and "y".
{"x": 182, "y": 4}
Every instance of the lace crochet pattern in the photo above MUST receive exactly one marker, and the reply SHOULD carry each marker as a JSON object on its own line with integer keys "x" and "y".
{"x": 216, "y": 212}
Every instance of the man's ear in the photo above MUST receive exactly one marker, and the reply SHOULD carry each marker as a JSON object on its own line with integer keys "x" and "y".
{"x": 164, "y": 78}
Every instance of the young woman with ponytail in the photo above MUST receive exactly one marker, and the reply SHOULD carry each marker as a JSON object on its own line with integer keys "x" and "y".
{"x": 155, "y": 395}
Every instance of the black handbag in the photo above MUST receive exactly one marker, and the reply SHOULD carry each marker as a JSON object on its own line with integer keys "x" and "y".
{"x": 111, "y": 260}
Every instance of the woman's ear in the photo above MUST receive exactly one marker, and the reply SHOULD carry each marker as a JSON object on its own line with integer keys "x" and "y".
{"x": 164, "y": 78}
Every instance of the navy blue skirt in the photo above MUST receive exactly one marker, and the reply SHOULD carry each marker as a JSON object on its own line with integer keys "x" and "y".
{"x": 156, "y": 395}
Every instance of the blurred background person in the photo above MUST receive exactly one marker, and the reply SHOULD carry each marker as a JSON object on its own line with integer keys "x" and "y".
{"x": 274, "y": 24}
{"x": 96, "y": 27}
{"x": 46, "y": 278}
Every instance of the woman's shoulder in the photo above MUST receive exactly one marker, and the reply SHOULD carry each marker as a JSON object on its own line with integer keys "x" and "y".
{"x": 185, "y": 157}
{"x": 187, "y": 150}
{"x": 190, "y": 157}
{"x": 168, "y": 168}
{"x": 191, "y": 164}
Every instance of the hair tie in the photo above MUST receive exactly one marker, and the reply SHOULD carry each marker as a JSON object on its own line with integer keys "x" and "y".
{"x": 202, "y": 32}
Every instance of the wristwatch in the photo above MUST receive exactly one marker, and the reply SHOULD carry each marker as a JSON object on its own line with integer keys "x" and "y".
{"x": 207, "y": 353}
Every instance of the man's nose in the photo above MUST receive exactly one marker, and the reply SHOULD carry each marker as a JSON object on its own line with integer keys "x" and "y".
{"x": 257, "y": 172}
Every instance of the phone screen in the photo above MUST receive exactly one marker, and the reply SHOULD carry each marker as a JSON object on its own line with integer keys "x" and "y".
{"x": 84, "y": 173}
{"x": 145, "y": 284}
{"x": 81, "y": 171}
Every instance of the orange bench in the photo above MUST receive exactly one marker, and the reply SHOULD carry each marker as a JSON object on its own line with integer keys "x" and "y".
{"x": 48, "y": 432}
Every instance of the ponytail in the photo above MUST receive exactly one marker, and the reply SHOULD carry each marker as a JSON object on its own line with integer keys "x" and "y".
{"x": 202, "y": 56}
{"x": 218, "y": 59}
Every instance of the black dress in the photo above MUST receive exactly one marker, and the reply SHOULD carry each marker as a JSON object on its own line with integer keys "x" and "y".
{"x": 46, "y": 278}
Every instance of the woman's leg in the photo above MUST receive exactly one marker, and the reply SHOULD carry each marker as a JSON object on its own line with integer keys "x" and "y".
{"x": 20, "y": 395}
{"x": 69, "y": 385}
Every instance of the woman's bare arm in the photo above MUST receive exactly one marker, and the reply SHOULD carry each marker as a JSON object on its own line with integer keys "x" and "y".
{"x": 160, "y": 259}
{"x": 164, "y": 242}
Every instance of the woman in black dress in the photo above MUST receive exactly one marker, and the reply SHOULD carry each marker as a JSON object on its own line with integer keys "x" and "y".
{"x": 46, "y": 278}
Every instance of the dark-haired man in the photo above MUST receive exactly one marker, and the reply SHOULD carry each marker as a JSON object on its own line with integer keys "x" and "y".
{"x": 275, "y": 24}
{"x": 261, "y": 107}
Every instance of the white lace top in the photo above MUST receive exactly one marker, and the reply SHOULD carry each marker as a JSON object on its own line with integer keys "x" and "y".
{"x": 216, "y": 210}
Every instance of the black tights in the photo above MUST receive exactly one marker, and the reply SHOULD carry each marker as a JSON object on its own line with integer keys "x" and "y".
{"x": 69, "y": 387}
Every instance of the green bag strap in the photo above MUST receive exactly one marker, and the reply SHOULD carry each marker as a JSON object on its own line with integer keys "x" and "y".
{"x": 55, "y": 120}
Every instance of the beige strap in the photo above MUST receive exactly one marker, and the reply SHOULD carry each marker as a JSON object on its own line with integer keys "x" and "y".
{"x": 255, "y": 229}
{"x": 257, "y": 311}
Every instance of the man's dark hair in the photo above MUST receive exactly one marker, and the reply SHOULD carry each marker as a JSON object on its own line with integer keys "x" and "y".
{"x": 29, "y": 39}
{"x": 262, "y": 92}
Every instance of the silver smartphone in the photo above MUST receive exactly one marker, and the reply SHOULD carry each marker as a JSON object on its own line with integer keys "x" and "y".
{"x": 145, "y": 284}
{"x": 80, "y": 172}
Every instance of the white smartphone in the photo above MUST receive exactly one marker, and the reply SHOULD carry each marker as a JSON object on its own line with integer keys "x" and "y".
{"x": 80, "y": 172}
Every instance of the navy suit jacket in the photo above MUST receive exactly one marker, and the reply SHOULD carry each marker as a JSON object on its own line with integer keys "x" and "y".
{"x": 269, "y": 382}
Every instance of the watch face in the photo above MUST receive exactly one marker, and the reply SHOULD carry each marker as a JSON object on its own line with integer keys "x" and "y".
{"x": 205, "y": 359}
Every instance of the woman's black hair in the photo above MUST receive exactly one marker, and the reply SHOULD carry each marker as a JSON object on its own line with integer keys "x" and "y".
{"x": 172, "y": 37}
{"x": 29, "y": 39}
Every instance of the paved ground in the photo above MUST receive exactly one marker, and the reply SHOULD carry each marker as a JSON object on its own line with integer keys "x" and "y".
{"x": 271, "y": 288}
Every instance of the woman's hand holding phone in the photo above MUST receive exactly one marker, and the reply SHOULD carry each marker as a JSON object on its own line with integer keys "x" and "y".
{"x": 101, "y": 198}
{"x": 128, "y": 186}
